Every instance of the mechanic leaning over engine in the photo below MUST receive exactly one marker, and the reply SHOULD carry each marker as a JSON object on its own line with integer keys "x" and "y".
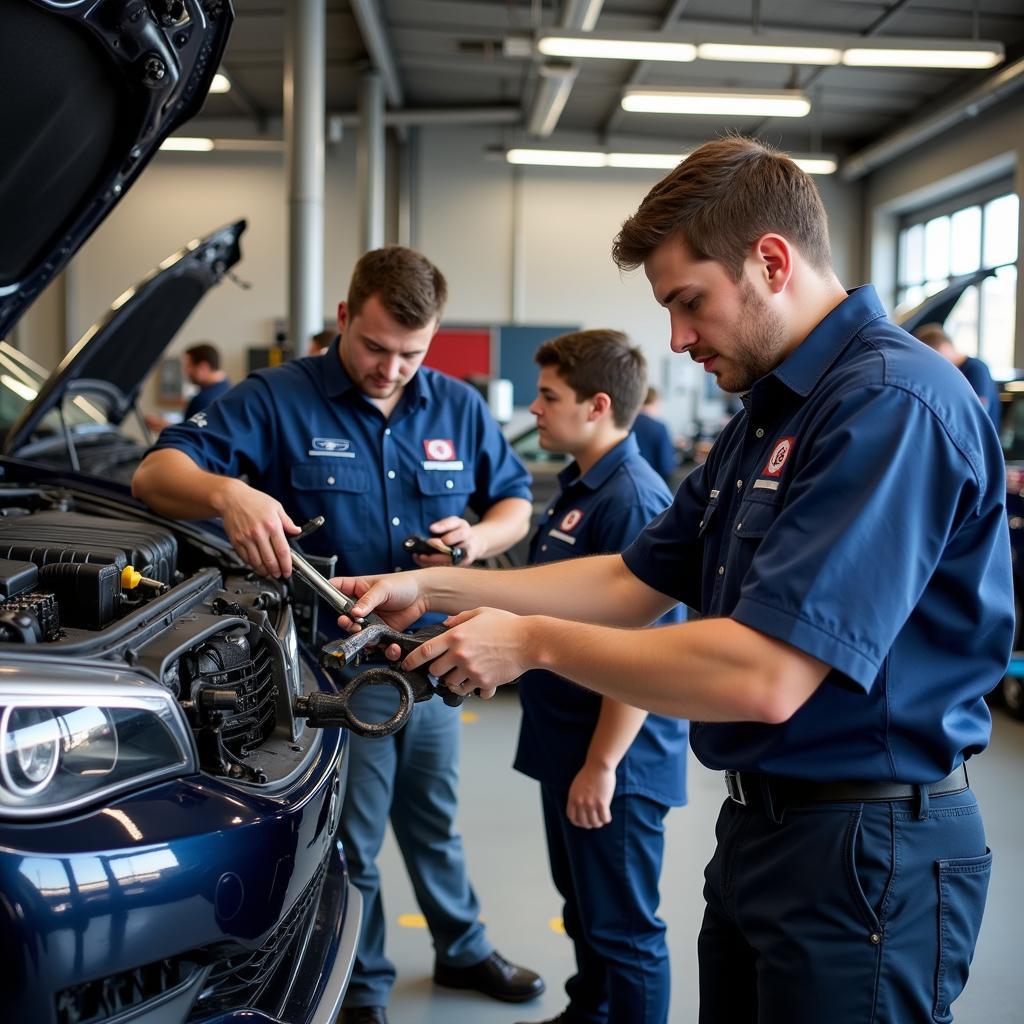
{"x": 383, "y": 448}
{"x": 847, "y": 544}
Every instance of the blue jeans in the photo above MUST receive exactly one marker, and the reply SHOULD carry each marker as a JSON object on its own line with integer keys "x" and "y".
{"x": 608, "y": 878}
{"x": 842, "y": 913}
{"x": 412, "y": 777}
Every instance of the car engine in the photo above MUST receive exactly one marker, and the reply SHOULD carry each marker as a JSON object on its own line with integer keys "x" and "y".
{"x": 85, "y": 577}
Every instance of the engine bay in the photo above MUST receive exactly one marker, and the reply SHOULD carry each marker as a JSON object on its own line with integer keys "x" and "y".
{"x": 87, "y": 577}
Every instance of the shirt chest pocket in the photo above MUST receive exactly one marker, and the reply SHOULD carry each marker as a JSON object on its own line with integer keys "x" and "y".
{"x": 340, "y": 491}
{"x": 444, "y": 492}
{"x": 756, "y": 516}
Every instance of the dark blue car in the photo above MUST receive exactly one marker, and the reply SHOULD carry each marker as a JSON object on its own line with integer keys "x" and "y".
{"x": 167, "y": 815}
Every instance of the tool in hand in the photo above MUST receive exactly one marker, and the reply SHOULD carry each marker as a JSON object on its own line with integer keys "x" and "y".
{"x": 332, "y": 709}
{"x": 418, "y": 545}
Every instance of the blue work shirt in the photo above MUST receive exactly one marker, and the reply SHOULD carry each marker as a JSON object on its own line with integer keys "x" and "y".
{"x": 655, "y": 444}
{"x": 598, "y": 513}
{"x": 855, "y": 510}
{"x": 204, "y": 396}
{"x": 304, "y": 433}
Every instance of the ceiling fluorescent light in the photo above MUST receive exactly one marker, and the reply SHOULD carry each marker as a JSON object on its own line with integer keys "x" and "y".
{"x": 762, "y": 54}
{"x": 557, "y": 157}
{"x": 823, "y": 164}
{"x": 220, "y": 83}
{"x": 909, "y": 56}
{"x": 615, "y": 49}
{"x": 184, "y": 144}
{"x": 720, "y": 102}
{"x": 652, "y": 161}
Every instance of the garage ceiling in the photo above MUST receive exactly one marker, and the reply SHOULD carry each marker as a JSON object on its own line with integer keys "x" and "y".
{"x": 451, "y": 54}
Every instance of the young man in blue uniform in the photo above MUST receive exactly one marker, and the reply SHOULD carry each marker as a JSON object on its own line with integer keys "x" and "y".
{"x": 652, "y": 437}
{"x": 201, "y": 365}
{"x": 383, "y": 448}
{"x": 846, "y": 543}
{"x": 608, "y": 772}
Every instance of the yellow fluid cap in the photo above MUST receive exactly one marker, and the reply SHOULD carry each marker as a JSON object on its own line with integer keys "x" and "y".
{"x": 130, "y": 578}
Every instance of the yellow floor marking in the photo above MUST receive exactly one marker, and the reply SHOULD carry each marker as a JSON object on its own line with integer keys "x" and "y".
{"x": 412, "y": 921}
{"x": 470, "y": 716}
{"x": 557, "y": 925}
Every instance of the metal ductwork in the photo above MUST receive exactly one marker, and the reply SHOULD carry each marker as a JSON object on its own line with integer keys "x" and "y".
{"x": 993, "y": 90}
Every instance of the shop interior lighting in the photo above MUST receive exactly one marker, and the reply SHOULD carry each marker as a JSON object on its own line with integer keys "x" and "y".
{"x": 220, "y": 83}
{"x": 821, "y": 163}
{"x": 717, "y": 102}
{"x": 615, "y": 49}
{"x": 708, "y": 41}
{"x": 185, "y": 144}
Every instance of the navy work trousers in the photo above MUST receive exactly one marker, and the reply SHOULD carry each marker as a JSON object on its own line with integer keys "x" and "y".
{"x": 608, "y": 878}
{"x": 411, "y": 777}
{"x": 846, "y": 913}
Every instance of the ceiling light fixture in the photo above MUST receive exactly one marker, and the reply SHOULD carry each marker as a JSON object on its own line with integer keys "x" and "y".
{"x": 185, "y": 144}
{"x": 220, "y": 83}
{"x": 719, "y": 102}
{"x": 821, "y": 163}
{"x": 615, "y": 49}
{"x": 757, "y": 53}
{"x": 717, "y": 42}
{"x": 902, "y": 56}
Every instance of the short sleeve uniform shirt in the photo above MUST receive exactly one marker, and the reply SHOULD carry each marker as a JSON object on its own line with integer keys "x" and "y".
{"x": 855, "y": 510}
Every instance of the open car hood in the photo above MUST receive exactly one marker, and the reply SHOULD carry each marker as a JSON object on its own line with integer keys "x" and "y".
{"x": 90, "y": 91}
{"x": 114, "y": 357}
{"x": 937, "y": 307}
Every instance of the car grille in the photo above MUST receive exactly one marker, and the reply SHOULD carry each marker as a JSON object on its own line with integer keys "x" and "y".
{"x": 99, "y": 1000}
{"x": 239, "y": 979}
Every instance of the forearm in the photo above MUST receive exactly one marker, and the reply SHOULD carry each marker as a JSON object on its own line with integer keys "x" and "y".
{"x": 598, "y": 589}
{"x": 504, "y": 523}
{"x": 714, "y": 670}
{"x": 617, "y": 726}
{"x": 173, "y": 485}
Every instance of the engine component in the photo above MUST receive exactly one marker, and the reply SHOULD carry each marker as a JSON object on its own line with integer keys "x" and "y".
{"x": 29, "y": 618}
{"x": 89, "y": 595}
{"x": 16, "y": 577}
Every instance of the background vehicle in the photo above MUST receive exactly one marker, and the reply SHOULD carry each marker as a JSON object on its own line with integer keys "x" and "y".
{"x": 167, "y": 848}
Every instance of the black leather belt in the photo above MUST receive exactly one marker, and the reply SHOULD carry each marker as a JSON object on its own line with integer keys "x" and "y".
{"x": 776, "y": 792}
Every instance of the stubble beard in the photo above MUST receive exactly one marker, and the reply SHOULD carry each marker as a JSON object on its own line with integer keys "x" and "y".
{"x": 759, "y": 343}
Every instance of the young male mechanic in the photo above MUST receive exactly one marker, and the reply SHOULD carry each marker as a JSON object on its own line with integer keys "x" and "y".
{"x": 384, "y": 448}
{"x": 847, "y": 545}
{"x": 608, "y": 772}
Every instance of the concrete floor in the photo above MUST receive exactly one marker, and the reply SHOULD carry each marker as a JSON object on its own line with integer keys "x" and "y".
{"x": 501, "y": 824}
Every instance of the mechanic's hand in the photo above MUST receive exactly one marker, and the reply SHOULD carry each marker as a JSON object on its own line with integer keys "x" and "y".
{"x": 481, "y": 650}
{"x": 590, "y": 797}
{"x": 455, "y": 532}
{"x": 397, "y": 597}
{"x": 257, "y": 525}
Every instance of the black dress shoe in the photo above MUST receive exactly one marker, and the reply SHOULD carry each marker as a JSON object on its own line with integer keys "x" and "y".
{"x": 495, "y": 977}
{"x": 363, "y": 1015}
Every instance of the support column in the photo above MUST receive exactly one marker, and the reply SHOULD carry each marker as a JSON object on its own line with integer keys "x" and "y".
{"x": 304, "y": 108}
{"x": 370, "y": 163}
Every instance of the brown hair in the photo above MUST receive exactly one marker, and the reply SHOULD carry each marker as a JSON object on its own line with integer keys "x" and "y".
{"x": 409, "y": 286}
{"x": 720, "y": 200}
{"x": 600, "y": 360}
{"x": 204, "y": 353}
{"x": 933, "y": 335}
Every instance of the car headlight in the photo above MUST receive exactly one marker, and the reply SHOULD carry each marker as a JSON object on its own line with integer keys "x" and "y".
{"x": 57, "y": 753}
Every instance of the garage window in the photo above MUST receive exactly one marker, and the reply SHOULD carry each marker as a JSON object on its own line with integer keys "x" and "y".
{"x": 940, "y": 242}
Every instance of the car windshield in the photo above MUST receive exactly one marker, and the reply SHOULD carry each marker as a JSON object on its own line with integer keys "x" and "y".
{"x": 21, "y": 379}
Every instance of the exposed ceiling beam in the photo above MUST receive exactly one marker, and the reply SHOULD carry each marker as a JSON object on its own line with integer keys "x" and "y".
{"x": 555, "y": 86}
{"x": 378, "y": 45}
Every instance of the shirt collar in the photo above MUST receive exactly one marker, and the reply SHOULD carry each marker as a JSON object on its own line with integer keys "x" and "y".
{"x": 800, "y": 372}
{"x": 337, "y": 382}
{"x": 600, "y": 471}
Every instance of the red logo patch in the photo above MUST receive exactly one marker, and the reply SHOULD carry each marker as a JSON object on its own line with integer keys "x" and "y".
{"x": 440, "y": 449}
{"x": 571, "y": 520}
{"x": 778, "y": 457}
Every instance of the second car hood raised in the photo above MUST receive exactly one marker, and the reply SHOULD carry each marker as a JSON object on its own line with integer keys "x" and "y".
{"x": 115, "y": 355}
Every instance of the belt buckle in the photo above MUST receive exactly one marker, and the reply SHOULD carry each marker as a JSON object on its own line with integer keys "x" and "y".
{"x": 734, "y": 787}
